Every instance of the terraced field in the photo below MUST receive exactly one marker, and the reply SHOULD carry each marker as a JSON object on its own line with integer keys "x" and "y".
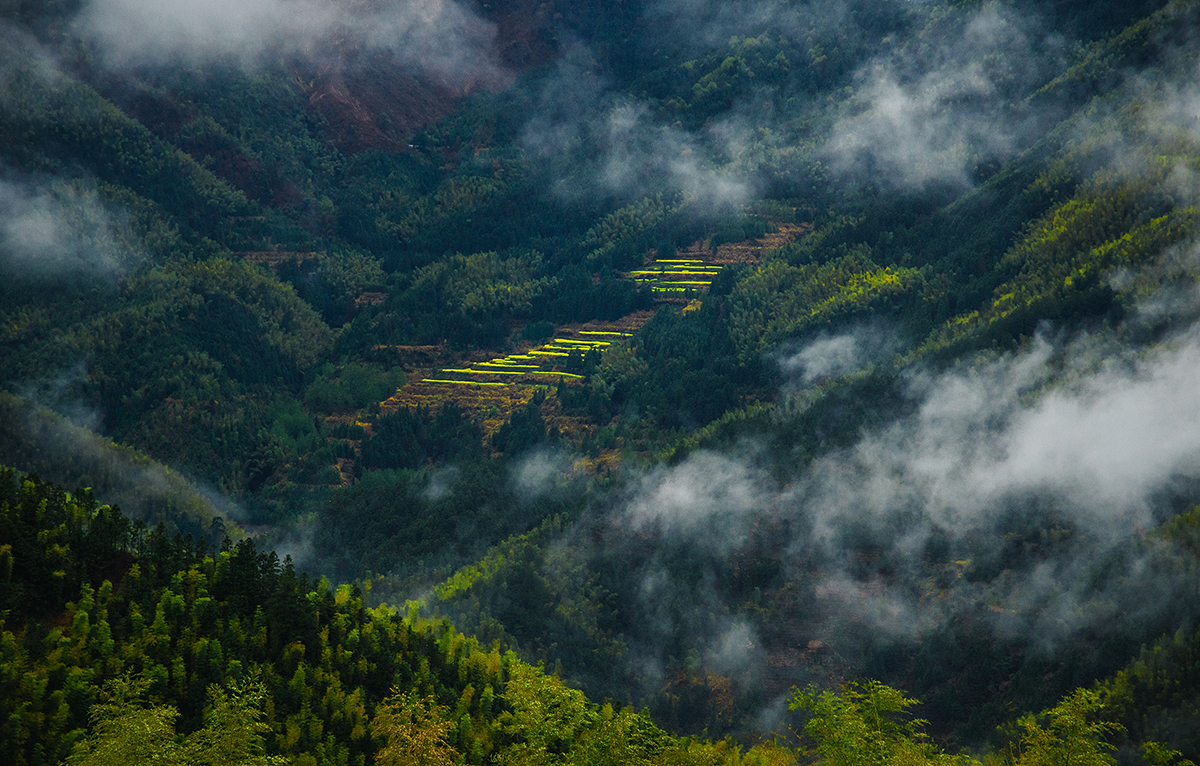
{"x": 676, "y": 275}
{"x": 689, "y": 272}
{"x": 490, "y": 388}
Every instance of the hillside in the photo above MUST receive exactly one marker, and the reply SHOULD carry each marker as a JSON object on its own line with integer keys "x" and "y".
{"x": 700, "y": 352}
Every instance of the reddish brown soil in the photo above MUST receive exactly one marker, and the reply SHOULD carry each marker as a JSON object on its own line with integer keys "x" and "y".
{"x": 374, "y": 105}
{"x": 749, "y": 251}
{"x": 369, "y": 101}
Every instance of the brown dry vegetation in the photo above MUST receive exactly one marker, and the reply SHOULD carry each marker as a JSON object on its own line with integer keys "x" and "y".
{"x": 748, "y": 251}
{"x": 366, "y": 102}
{"x": 273, "y": 258}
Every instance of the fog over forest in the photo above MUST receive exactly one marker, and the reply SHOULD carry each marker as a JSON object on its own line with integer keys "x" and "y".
{"x": 734, "y": 363}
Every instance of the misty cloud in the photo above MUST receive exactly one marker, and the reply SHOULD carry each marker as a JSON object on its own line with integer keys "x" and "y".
{"x": 62, "y": 394}
{"x": 737, "y": 651}
{"x": 685, "y": 498}
{"x": 296, "y": 541}
{"x": 539, "y": 473}
{"x": 72, "y": 455}
{"x": 1102, "y": 443}
{"x": 824, "y": 358}
{"x": 641, "y": 152}
{"x": 1088, "y": 433}
{"x": 441, "y": 484}
{"x": 621, "y": 150}
{"x": 55, "y": 228}
{"x": 21, "y": 57}
{"x": 441, "y": 36}
{"x": 594, "y": 139}
{"x": 929, "y": 113}
{"x": 832, "y": 356}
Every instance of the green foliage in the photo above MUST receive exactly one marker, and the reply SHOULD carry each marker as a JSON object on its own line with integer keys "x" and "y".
{"x": 538, "y": 332}
{"x": 1155, "y": 754}
{"x": 779, "y": 301}
{"x": 1063, "y": 255}
{"x": 413, "y": 730}
{"x": 621, "y": 238}
{"x": 353, "y": 386}
{"x": 1153, "y": 697}
{"x": 866, "y": 724}
{"x": 731, "y": 229}
{"x": 188, "y": 365}
{"x": 234, "y": 727}
{"x": 126, "y": 730}
{"x": 332, "y": 282}
{"x": 54, "y": 543}
{"x": 469, "y": 298}
{"x": 402, "y": 520}
{"x": 523, "y": 431}
{"x": 1071, "y": 735}
{"x": 181, "y": 621}
{"x": 412, "y": 438}
{"x": 224, "y": 369}
{"x": 545, "y": 718}
{"x": 549, "y": 723}
{"x": 48, "y": 112}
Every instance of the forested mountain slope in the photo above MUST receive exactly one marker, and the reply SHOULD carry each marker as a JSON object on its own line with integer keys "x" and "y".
{"x": 699, "y": 350}
{"x": 245, "y": 657}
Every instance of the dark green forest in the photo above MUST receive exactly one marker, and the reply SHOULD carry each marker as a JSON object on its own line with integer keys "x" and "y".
{"x": 651, "y": 381}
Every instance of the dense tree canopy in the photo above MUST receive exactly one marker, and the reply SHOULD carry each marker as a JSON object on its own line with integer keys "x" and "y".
{"x": 658, "y": 357}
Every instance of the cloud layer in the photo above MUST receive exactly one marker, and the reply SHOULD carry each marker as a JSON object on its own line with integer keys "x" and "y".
{"x": 598, "y": 141}
{"x": 1038, "y": 475}
{"x": 53, "y": 229}
{"x": 931, "y": 111}
{"x": 440, "y": 36}
{"x": 1102, "y": 444}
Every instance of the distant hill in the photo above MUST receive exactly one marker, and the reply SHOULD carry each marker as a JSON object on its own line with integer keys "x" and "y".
{"x": 698, "y": 351}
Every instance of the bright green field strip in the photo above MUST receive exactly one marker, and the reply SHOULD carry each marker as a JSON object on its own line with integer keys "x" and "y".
{"x": 584, "y": 343}
{"x": 507, "y": 364}
{"x": 679, "y": 260}
{"x": 605, "y": 332}
{"x": 455, "y": 369}
{"x": 462, "y": 382}
{"x": 552, "y": 372}
{"x": 550, "y": 353}
{"x": 497, "y": 372}
{"x": 674, "y": 272}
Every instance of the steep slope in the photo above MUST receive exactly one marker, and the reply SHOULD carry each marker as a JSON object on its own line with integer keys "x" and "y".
{"x": 913, "y": 414}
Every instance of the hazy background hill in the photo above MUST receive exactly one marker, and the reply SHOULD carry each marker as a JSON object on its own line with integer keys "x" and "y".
{"x": 699, "y": 350}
